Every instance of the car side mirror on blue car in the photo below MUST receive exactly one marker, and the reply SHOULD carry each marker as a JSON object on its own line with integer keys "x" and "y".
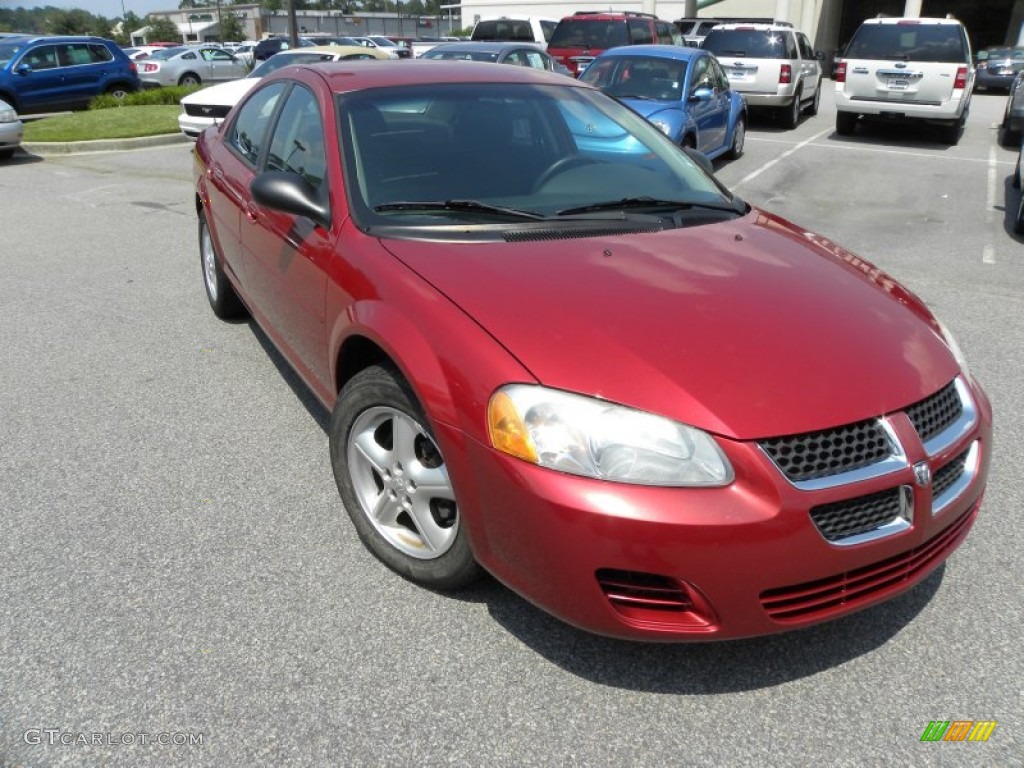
{"x": 702, "y": 94}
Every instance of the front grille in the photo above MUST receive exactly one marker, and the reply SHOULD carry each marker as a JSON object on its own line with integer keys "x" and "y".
{"x": 634, "y": 589}
{"x": 206, "y": 110}
{"x": 851, "y": 517}
{"x": 949, "y": 474}
{"x": 818, "y": 599}
{"x": 830, "y": 451}
{"x": 934, "y": 414}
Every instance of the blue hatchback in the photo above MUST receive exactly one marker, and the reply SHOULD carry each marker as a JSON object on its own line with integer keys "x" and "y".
{"x": 682, "y": 91}
{"x": 40, "y": 74}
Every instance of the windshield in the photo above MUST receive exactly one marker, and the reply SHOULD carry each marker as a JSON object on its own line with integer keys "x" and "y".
{"x": 8, "y": 51}
{"x": 282, "y": 60}
{"x": 589, "y": 33}
{"x": 166, "y": 53}
{"x": 535, "y": 150}
{"x": 637, "y": 77}
{"x": 909, "y": 42}
{"x": 444, "y": 52}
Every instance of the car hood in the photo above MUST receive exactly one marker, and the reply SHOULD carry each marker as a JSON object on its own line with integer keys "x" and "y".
{"x": 750, "y": 328}
{"x": 649, "y": 107}
{"x": 224, "y": 95}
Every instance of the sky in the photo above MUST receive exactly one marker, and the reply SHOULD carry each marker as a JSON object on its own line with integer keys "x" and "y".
{"x": 110, "y": 9}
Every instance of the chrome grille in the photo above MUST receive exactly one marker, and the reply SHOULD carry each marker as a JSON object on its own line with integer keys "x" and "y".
{"x": 934, "y": 414}
{"x": 850, "y": 517}
{"x": 944, "y": 477}
{"x": 829, "y": 451}
{"x": 206, "y": 110}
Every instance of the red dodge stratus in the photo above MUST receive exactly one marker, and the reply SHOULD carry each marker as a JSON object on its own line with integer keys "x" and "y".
{"x": 558, "y": 349}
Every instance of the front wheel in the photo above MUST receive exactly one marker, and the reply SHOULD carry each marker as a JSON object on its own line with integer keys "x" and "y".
{"x": 394, "y": 481}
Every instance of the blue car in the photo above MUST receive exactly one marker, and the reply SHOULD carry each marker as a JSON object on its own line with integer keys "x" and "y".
{"x": 682, "y": 91}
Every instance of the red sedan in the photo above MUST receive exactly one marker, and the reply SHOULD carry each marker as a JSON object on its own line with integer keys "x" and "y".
{"x": 557, "y": 349}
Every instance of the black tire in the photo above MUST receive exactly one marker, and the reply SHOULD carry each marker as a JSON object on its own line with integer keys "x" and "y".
{"x": 846, "y": 123}
{"x": 791, "y": 114}
{"x": 739, "y": 138}
{"x": 381, "y": 442}
{"x": 118, "y": 91}
{"x": 1016, "y": 171}
{"x": 1008, "y": 138}
{"x": 1018, "y": 223}
{"x": 223, "y": 300}
{"x": 951, "y": 132}
{"x": 189, "y": 79}
{"x": 812, "y": 109}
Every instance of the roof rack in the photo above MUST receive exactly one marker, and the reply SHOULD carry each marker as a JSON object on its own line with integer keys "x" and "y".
{"x": 616, "y": 13}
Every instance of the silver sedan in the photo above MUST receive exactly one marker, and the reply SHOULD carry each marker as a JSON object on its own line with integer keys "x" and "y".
{"x": 11, "y": 130}
{"x": 190, "y": 65}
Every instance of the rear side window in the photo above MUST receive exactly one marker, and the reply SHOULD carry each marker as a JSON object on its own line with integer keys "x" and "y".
{"x": 640, "y": 33}
{"x": 590, "y": 33}
{"x": 750, "y": 43}
{"x": 548, "y": 28}
{"x": 515, "y": 30}
{"x": 75, "y": 54}
{"x": 910, "y": 42}
{"x": 667, "y": 33}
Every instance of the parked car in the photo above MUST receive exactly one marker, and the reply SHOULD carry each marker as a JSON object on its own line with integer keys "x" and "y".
{"x": 916, "y": 70}
{"x": 141, "y": 51}
{"x": 244, "y": 52}
{"x": 190, "y": 65}
{"x": 996, "y": 68}
{"x": 11, "y": 130}
{"x": 772, "y": 65}
{"x": 519, "y": 54}
{"x": 209, "y": 106}
{"x": 682, "y": 91}
{"x": 580, "y": 38}
{"x": 1012, "y": 127}
{"x": 268, "y": 47}
{"x": 695, "y": 30}
{"x": 385, "y": 45}
{"x": 521, "y": 29}
{"x": 557, "y": 349}
{"x": 40, "y": 74}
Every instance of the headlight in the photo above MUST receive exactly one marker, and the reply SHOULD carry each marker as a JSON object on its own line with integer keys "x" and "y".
{"x": 951, "y": 342}
{"x": 595, "y": 438}
{"x": 662, "y": 126}
{"x": 8, "y": 116}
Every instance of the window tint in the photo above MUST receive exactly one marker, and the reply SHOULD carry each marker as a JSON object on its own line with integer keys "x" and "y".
{"x": 719, "y": 75}
{"x": 589, "y": 33}
{"x": 298, "y": 142}
{"x": 750, "y": 43}
{"x": 548, "y": 28}
{"x": 805, "y": 46}
{"x": 503, "y": 29}
{"x": 189, "y": 56}
{"x": 909, "y": 42}
{"x": 250, "y": 127}
{"x": 536, "y": 60}
{"x": 666, "y": 33}
{"x": 100, "y": 52}
{"x": 43, "y": 57}
{"x": 640, "y": 33}
{"x": 638, "y": 77}
{"x": 700, "y": 76}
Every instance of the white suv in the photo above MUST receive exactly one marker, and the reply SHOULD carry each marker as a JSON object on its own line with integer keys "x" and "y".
{"x": 772, "y": 65}
{"x": 906, "y": 69}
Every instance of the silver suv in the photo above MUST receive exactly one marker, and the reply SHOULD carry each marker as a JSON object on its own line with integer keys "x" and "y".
{"x": 906, "y": 69}
{"x": 772, "y": 65}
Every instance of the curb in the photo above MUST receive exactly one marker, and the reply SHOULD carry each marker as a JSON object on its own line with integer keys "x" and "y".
{"x": 44, "y": 148}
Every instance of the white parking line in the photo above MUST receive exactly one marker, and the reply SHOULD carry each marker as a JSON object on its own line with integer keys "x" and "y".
{"x": 988, "y": 253}
{"x": 906, "y": 153}
{"x": 784, "y": 155}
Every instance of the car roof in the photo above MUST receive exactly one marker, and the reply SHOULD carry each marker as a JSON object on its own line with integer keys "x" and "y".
{"x": 760, "y": 27}
{"x": 912, "y": 20}
{"x": 347, "y": 76}
{"x": 659, "y": 51}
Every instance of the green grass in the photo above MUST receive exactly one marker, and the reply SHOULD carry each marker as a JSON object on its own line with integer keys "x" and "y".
{"x": 117, "y": 123}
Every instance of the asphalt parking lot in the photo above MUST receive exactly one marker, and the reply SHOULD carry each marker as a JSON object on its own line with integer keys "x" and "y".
{"x": 179, "y": 583}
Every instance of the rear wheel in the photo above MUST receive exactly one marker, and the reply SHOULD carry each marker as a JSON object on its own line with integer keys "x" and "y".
{"x": 739, "y": 137}
{"x": 845, "y": 123}
{"x": 791, "y": 114}
{"x": 951, "y": 132}
{"x": 117, "y": 91}
{"x": 190, "y": 79}
{"x": 394, "y": 481}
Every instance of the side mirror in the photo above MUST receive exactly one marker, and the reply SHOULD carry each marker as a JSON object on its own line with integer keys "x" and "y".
{"x": 290, "y": 193}
{"x": 702, "y": 94}
{"x": 819, "y": 55}
{"x": 700, "y": 159}
{"x": 23, "y": 69}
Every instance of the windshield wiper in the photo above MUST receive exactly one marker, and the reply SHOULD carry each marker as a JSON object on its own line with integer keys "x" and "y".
{"x": 472, "y": 206}
{"x": 650, "y": 202}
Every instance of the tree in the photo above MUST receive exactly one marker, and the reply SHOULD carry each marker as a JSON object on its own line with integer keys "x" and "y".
{"x": 230, "y": 27}
{"x": 162, "y": 29}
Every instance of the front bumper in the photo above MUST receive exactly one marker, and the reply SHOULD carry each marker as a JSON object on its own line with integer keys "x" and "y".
{"x": 192, "y": 125}
{"x": 674, "y": 564}
{"x": 11, "y": 134}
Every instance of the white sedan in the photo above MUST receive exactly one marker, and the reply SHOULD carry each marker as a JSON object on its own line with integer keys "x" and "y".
{"x": 209, "y": 106}
{"x": 11, "y": 130}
